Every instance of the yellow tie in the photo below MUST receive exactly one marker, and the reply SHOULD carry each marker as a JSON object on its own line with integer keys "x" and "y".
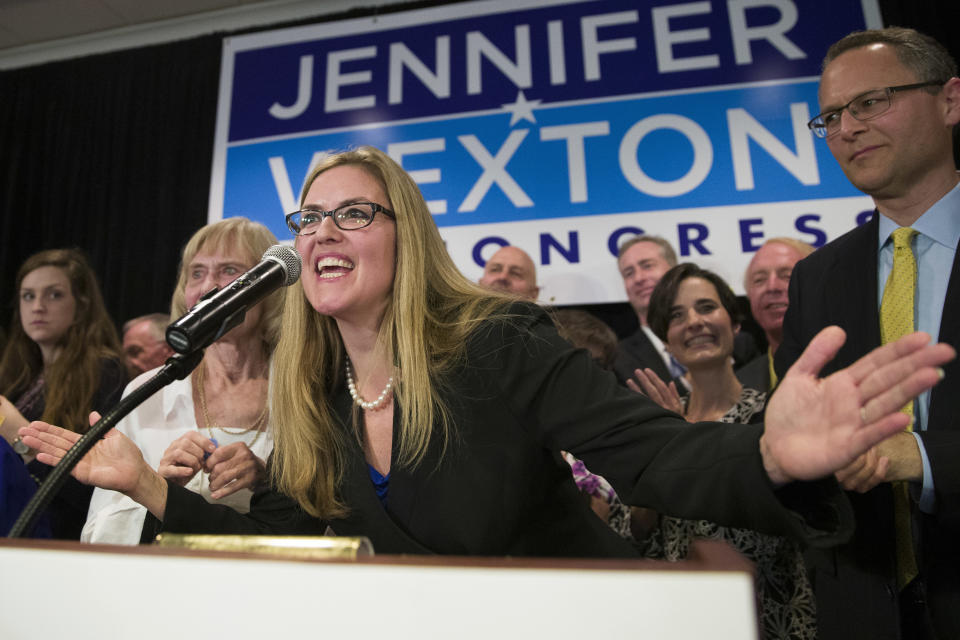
{"x": 773, "y": 372}
{"x": 896, "y": 320}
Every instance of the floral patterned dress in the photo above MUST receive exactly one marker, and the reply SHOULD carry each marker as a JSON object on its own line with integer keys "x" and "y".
{"x": 785, "y": 598}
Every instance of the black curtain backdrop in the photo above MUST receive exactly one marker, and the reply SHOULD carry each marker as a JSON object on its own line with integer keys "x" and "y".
{"x": 112, "y": 153}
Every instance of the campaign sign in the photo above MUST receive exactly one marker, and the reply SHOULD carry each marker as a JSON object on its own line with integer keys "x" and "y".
{"x": 563, "y": 128}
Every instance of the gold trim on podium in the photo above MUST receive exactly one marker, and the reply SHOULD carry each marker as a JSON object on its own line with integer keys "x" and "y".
{"x": 301, "y": 547}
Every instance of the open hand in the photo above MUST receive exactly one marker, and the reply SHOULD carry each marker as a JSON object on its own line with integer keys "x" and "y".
{"x": 650, "y": 384}
{"x": 113, "y": 463}
{"x": 817, "y": 426}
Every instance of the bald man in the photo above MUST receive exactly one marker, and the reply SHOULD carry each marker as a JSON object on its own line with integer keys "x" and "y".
{"x": 511, "y": 270}
{"x": 144, "y": 344}
{"x": 765, "y": 282}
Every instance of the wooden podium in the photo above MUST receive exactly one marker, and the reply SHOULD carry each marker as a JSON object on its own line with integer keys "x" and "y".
{"x": 52, "y": 589}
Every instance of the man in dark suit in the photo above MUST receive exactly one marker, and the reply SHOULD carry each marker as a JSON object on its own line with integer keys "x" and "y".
{"x": 890, "y": 100}
{"x": 642, "y": 261}
{"x": 765, "y": 282}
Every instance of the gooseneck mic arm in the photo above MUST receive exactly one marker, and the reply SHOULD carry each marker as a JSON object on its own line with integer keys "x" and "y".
{"x": 177, "y": 367}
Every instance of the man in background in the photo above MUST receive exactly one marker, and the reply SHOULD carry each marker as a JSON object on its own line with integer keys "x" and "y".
{"x": 511, "y": 269}
{"x": 642, "y": 261}
{"x": 144, "y": 343}
{"x": 765, "y": 282}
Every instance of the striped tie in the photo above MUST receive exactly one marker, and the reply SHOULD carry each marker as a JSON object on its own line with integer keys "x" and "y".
{"x": 896, "y": 320}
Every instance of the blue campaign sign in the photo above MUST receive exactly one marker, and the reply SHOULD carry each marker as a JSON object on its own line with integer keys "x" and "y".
{"x": 555, "y": 127}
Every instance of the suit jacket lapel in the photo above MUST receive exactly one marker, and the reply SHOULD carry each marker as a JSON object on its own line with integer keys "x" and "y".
{"x": 648, "y": 353}
{"x": 367, "y": 516}
{"x": 855, "y": 294}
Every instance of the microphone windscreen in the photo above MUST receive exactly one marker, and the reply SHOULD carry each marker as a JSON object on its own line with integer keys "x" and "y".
{"x": 289, "y": 258}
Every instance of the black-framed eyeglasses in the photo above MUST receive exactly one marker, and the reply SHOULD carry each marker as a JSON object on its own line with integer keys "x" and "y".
{"x": 865, "y": 106}
{"x": 348, "y": 217}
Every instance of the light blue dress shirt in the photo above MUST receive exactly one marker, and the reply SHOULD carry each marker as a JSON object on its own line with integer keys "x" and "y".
{"x": 934, "y": 246}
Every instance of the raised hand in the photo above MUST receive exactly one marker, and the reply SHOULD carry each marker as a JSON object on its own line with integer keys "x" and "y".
{"x": 113, "y": 463}
{"x": 234, "y": 467}
{"x": 817, "y": 426}
{"x": 649, "y": 383}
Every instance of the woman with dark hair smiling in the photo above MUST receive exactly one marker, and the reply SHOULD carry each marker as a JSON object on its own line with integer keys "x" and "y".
{"x": 694, "y": 312}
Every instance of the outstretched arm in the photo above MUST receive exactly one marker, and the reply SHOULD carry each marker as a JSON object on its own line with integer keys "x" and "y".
{"x": 113, "y": 463}
{"x": 816, "y": 426}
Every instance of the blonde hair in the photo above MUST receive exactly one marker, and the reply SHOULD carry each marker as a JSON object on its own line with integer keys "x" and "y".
{"x": 431, "y": 313}
{"x": 251, "y": 239}
{"x": 72, "y": 380}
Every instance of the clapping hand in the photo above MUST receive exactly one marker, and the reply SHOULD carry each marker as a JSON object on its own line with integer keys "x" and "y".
{"x": 649, "y": 383}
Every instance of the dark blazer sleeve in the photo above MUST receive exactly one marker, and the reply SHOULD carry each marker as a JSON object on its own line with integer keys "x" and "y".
{"x": 637, "y": 352}
{"x": 522, "y": 393}
{"x": 271, "y": 513}
{"x": 652, "y": 457}
{"x": 755, "y": 374}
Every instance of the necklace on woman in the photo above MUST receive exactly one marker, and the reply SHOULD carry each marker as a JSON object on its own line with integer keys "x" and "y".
{"x": 373, "y": 405}
{"x": 237, "y": 432}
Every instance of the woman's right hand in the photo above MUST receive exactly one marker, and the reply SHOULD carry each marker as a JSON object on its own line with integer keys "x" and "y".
{"x": 185, "y": 457}
{"x": 113, "y": 463}
{"x": 650, "y": 384}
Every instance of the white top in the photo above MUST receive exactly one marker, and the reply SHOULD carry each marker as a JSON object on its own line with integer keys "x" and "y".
{"x": 114, "y": 518}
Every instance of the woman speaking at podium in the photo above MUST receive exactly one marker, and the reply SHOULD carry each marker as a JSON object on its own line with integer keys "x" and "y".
{"x": 414, "y": 408}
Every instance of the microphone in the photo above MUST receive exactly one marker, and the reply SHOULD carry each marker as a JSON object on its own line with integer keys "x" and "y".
{"x": 218, "y": 311}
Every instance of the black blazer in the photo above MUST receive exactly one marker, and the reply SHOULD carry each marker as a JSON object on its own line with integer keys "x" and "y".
{"x": 521, "y": 395}
{"x": 638, "y": 352}
{"x": 755, "y": 374}
{"x": 854, "y": 583}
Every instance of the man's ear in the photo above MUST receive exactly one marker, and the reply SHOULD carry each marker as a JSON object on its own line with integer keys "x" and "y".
{"x": 951, "y": 94}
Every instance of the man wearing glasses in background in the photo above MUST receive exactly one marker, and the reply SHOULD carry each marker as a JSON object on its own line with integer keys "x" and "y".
{"x": 890, "y": 99}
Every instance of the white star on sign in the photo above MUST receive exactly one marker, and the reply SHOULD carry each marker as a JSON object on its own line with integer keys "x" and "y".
{"x": 522, "y": 109}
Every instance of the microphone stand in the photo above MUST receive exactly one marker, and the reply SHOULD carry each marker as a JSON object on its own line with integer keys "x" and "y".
{"x": 177, "y": 367}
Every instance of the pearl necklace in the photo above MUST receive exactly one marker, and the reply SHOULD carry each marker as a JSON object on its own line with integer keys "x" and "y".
{"x": 374, "y": 405}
